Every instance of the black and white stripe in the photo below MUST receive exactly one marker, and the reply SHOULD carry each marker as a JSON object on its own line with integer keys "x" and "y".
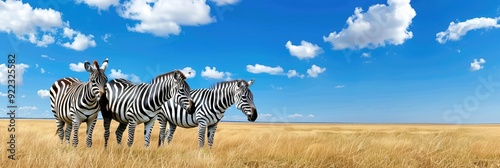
{"x": 210, "y": 105}
{"x": 132, "y": 104}
{"x": 74, "y": 102}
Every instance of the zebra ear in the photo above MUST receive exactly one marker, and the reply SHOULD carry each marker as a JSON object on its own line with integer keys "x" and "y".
{"x": 87, "y": 66}
{"x": 251, "y": 82}
{"x": 104, "y": 65}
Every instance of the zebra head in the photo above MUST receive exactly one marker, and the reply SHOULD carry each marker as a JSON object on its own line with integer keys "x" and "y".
{"x": 244, "y": 99}
{"x": 181, "y": 91}
{"x": 97, "y": 77}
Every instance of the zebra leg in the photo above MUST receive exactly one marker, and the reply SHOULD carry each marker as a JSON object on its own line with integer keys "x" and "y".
{"x": 163, "y": 124}
{"x": 131, "y": 131}
{"x": 90, "y": 129}
{"x": 119, "y": 132}
{"x": 60, "y": 129}
{"x": 69, "y": 126}
{"x": 76, "y": 126}
{"x": 148, "y": 127}
{"x": 211, "y": 134}
{"x": 107, "y": 123}
{"x": 202, "y": 126}
{"x": 171, "y": 130}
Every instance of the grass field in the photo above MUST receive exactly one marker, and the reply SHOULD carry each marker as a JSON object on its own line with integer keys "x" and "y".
{"x": 265, "y": 145}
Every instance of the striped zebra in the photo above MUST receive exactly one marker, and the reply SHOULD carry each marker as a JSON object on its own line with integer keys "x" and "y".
{"x": 132, "y": 104}
{"x": 74, "y": 102}
{"x": 210, "y": 105}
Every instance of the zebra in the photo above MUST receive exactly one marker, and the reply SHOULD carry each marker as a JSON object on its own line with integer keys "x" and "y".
{"x": 74, "y": 102}
{"x": 132, "y": 104}
{"x": 210, "y": 105}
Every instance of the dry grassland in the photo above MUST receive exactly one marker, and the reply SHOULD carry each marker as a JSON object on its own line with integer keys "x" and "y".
{"x": 265, "y": 145}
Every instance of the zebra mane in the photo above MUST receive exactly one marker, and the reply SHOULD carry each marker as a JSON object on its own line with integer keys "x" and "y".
{"x": 168, "y": 74}
{"x": 224, "y": 84}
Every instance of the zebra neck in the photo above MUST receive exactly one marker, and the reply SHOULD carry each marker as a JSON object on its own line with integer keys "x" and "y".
{"x": 88, "y": 92}
{"x": 159, "y": 93}
{"x": 224, "y": 98}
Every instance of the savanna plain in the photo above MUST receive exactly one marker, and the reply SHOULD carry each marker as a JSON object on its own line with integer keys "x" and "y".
{"x": 264, "y": 145}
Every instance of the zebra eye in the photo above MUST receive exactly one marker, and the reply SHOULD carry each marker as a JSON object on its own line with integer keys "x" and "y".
{"x": 244, "y": 97}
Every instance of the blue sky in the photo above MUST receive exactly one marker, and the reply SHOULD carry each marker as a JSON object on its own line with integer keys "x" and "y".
{"x": 313, "y": 61}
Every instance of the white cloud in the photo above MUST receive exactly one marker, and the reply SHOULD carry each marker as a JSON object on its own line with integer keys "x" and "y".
{"x": 459, "y": 29}
{"x": 381, "y": 24}
{"x": 38, "y": 26}
{"x": 115, "y": 74}
{"x": 42, "y": 70}
{"x": 214, "y": 74}
{"x": 3, "y": 94}
{"x": 315, "y": 70}
{"x": 189, "y": 72}
{"x": 43, "y": 42}
{"x": 339, "y": 86}
{"x": 294, "y": 73}
{"x": 477, "y": 65}
{"x": 164, "y": 17}
{"x": 26, "y": 108}
{"x": 46, "y": 56}
{"x": 105, "y": 37}
{"x": 43, "y": 93}
{"x": 21, "y": 19}
{"x": 296, "y": 115}
{"x": 310, "y": 116}
{"x": 100, "y": 4}
{"x": 80, "y": 41}
{"x": 225, "y": 2}
{"x": 135, "y": 79}
{"x": 305, "y": 50}
{"x": 78, "y": 67}
{"x": 257, "y": 68}
{"x": 23, "y": 96}
{"x": 19, "y": 72}
{"x": 366, "y": 55}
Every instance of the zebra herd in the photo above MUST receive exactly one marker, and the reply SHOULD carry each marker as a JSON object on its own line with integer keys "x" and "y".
{"x": 167, "y": 98}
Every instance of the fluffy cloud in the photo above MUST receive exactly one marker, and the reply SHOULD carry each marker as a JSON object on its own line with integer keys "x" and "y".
{"x": 257, "y": 68}
{"x": 315, "y": 70}
{"x": 477, "y": 65}
{"x": 115, "y": 74}
{"x": 19, "y": 70}
{"x": 100, "y": 4}
{"x": 225, "y": 2}
{"x": 21, "y": 19}
{"x": 37, "y": 26}
{"x": 42, "y": 70}
{"x": 46, "y": 56}
{"x": 189, "y": 72}
{"x": 3, "y": 94}
{"x": 214, "y": 74}
{"x": 296, "y": 115}
{"x": 366, "y": 55}
{"x": 164, "y": 17}
{"x": 43, "y": 93}
{"x": 294, "y": 73}
{"x": 459, "y": 29}
{"x": 78, "y": 67}
{"x": 305, "y": 50}
{"x": 381, "y": 24}
{"x": 80, "y": 41}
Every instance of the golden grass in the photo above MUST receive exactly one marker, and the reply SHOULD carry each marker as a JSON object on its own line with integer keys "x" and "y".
{"x": 265, "y": 145}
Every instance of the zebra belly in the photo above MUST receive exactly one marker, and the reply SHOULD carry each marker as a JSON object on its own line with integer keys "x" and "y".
{"x": 86, "y": 115}
{"x": 183, "y": 120}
